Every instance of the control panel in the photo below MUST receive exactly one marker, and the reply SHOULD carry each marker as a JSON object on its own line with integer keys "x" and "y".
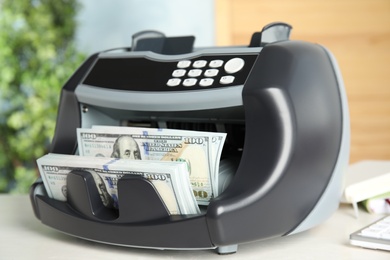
{"x": 150, "y": 74}
{"x": 204, "y": 73}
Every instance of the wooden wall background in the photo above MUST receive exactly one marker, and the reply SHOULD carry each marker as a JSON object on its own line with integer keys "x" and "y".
{"x": 358, "y": 34}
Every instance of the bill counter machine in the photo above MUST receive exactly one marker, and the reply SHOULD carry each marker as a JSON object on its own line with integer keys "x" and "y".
{"x": 281, "y": 102}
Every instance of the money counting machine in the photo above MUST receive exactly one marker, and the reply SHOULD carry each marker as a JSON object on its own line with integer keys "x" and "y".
{"x": 281, "y": 102}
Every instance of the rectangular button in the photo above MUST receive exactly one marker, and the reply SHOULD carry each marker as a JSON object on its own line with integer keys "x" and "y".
{"x": 206, "y": 82}
{"x": 226, "y": 79}
{"x": 189, "y": 82}
{"x": 173, "y": 82}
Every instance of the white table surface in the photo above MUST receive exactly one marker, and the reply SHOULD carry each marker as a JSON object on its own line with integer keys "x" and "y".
{"x": 22, "y": 236}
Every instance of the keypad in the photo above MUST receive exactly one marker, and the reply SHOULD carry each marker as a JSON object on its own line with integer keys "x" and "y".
{"x": 380, "y": 229}
{"x": 205, "y": 73}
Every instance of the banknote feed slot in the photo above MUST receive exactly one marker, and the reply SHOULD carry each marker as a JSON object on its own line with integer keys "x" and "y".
{"x": 281, "y": 103}
{"x": 234, "y": 144}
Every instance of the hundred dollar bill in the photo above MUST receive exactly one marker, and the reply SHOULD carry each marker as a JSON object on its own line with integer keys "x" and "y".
{"x": 168, "y": 179}
{"x": 195, "y": 148}
{"x": 217, "y": 141}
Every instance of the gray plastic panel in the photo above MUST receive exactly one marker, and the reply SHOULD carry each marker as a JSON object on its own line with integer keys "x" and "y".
{"x": 160, "y": 101}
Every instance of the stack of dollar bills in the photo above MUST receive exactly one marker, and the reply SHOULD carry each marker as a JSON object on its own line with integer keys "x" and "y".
{"x": 169, "y": 179}
{"x": 182, "y": 165}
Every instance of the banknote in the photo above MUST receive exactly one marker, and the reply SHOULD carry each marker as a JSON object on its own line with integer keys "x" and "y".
{"x": 200, "y": 151}
{"x": 217, "y": 142}
{"x": 170, "y": 179}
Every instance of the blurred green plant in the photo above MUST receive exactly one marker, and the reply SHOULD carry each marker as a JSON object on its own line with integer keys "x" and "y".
{"x": 37, "y": 56}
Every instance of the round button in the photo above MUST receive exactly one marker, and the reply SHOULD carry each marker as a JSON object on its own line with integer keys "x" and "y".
{"x": 234, "y": 65}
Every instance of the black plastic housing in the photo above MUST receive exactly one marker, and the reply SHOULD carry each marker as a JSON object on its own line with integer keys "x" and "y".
{"x": 293, "y": 133}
